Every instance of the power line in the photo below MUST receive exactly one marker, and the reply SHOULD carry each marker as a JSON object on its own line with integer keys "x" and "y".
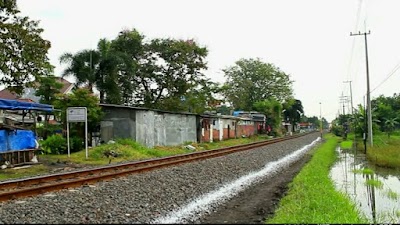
{"x": 352, "y": 54}
{"x": 393, "y": 71}
{"x": 353, "y": 43}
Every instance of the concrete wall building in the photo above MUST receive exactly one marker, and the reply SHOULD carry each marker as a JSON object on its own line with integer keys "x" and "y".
{"x": 218, "y": 127}
{"x": 147, "y": 126}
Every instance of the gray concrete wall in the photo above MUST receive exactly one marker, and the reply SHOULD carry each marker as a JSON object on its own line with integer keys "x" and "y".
{"x": 145, "y": 127}
{"x": 150, "y": 128}
{"x": 118, "y": 123}
{"x": 180, "y": 128}
{"x": 155, "y": 128}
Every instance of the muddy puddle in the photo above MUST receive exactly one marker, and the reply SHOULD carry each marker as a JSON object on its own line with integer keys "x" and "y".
{"x": 375, "y": 191}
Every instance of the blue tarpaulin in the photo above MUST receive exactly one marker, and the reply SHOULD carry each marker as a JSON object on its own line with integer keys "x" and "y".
{"x": 14, "y": 140}
{"x": 3, "y": 141}
{"x": 17, "y": 105}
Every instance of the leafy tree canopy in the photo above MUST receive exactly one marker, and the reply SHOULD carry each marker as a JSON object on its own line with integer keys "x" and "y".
{"x": 251, "y": 80}
{"x": 155, "y": 73}
{"x": 385, "y": 108}
{"x": 273, "y": 111}
{"x": 47, "y": 89}
{"x": 23, "y": 55}
{"x": 293, "y": 111}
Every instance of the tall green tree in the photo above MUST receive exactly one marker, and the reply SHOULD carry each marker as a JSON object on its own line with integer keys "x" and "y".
{"x": 107, "y": 73}
{"x": 98, "y": 69}
{"x": 130, "y": 46}
{"x": 47, "y": 89}
{"x": 385, "y": 108}
{"x": 172, "y": 68}
{"x": 82, "y": 66}
{"x": 251, "y": 80}
{"x": 293, "y": 111}
{"x": 155, "y": 73}
{"x": 158, "y": 73}
{"x": 196, "y": 100}
{"x": 23, "y": 54}
{"x": 273, "y": 112}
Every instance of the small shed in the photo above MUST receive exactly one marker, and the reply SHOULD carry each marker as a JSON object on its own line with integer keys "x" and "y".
{"x": 218, "y": 127}
{"x": 245, "y": 127}
{"x": 259, "y": 120}
{"x": 149, "y": 127}
{"x": 17, "y": 142}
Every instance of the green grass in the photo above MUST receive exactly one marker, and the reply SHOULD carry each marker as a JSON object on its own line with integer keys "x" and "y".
{"x": 365, "y": 171}
{"x": 392, "y": 195}
{"x": 348, "y": 144}
{"x": 25, "y": 172}
{"x": 126, "y": 149}
{"x": 312, "y": 197}
{"x": 375, "y": 183}
{"x": 385, "y": 152}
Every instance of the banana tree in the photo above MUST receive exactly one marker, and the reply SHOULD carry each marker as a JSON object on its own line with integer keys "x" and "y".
{"x": 390, "y": 124}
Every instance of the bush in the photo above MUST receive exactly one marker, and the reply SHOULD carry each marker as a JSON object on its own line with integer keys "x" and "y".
{"x": 337, "y": 130}
{"x": 76, "y": 144}
{"x": 50, "y": 129}
{"x": 54, "y": 144}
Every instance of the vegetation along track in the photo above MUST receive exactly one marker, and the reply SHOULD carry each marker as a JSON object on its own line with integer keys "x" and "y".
{"x": 41, "y": 184}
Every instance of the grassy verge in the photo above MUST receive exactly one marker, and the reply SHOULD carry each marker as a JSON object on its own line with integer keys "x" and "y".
{"x": 312, "y": 197}
{"x": 24, "y": 172}
{"x": 385, "y": 152}
{"x": 348, "y": 144}
{"x": 129, "y": 150}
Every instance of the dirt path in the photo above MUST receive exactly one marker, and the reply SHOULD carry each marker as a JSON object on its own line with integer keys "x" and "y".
{"x": 258, "y": 202}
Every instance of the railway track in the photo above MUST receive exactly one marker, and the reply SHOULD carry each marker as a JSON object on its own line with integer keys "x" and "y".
{"x": 38, "y": 185}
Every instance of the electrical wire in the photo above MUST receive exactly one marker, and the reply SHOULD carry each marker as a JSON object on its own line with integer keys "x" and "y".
{"x": 353, "y": 52}
{"x": 390, "y": 74}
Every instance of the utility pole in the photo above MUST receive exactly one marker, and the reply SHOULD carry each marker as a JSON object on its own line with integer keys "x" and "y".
{"x": 351, "y": 96}
{"x": 370, "y": 137}
{"x": 320, "y": 119}
{"x": 352, "y": 111}
{"x": 343, "y": 100}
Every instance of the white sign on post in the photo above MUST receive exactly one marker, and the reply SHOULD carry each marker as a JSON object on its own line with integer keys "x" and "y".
{"x": 77, "y": 114}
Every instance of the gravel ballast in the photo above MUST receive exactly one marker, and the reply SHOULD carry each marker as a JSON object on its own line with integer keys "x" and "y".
{"x": 141, "y": 198}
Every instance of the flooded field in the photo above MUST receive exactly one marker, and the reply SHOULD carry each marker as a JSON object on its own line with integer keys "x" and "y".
{"x": 376, "y": 191}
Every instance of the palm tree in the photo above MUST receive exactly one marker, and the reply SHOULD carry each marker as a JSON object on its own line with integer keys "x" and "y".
{"x": 390, "y": 124}
{"x": 82, "y": 66}
{"x": 107, "y": 73}
{"x": 96, "y": 69}
{"x": 359, "y": 119}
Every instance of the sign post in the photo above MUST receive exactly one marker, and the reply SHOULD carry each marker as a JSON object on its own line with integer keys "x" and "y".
{"x": 77, "y": 114}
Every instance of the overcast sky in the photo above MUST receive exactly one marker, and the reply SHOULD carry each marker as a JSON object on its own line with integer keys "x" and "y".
{"x": 308, "y": 39}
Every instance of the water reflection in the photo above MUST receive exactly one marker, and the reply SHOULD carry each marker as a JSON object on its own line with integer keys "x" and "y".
{"x": 376, "y": 191}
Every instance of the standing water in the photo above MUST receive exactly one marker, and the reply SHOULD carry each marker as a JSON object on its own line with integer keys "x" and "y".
{"x": 375, "y": 191}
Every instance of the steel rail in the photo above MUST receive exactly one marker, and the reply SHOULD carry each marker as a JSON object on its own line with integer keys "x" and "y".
{"x": 47, "y": 183}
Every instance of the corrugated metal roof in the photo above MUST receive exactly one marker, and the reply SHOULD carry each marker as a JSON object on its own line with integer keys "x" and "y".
{"x": 145, "y": 109}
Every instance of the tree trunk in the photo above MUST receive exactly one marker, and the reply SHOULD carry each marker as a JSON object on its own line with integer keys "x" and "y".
{"x": 101, "y": 96}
